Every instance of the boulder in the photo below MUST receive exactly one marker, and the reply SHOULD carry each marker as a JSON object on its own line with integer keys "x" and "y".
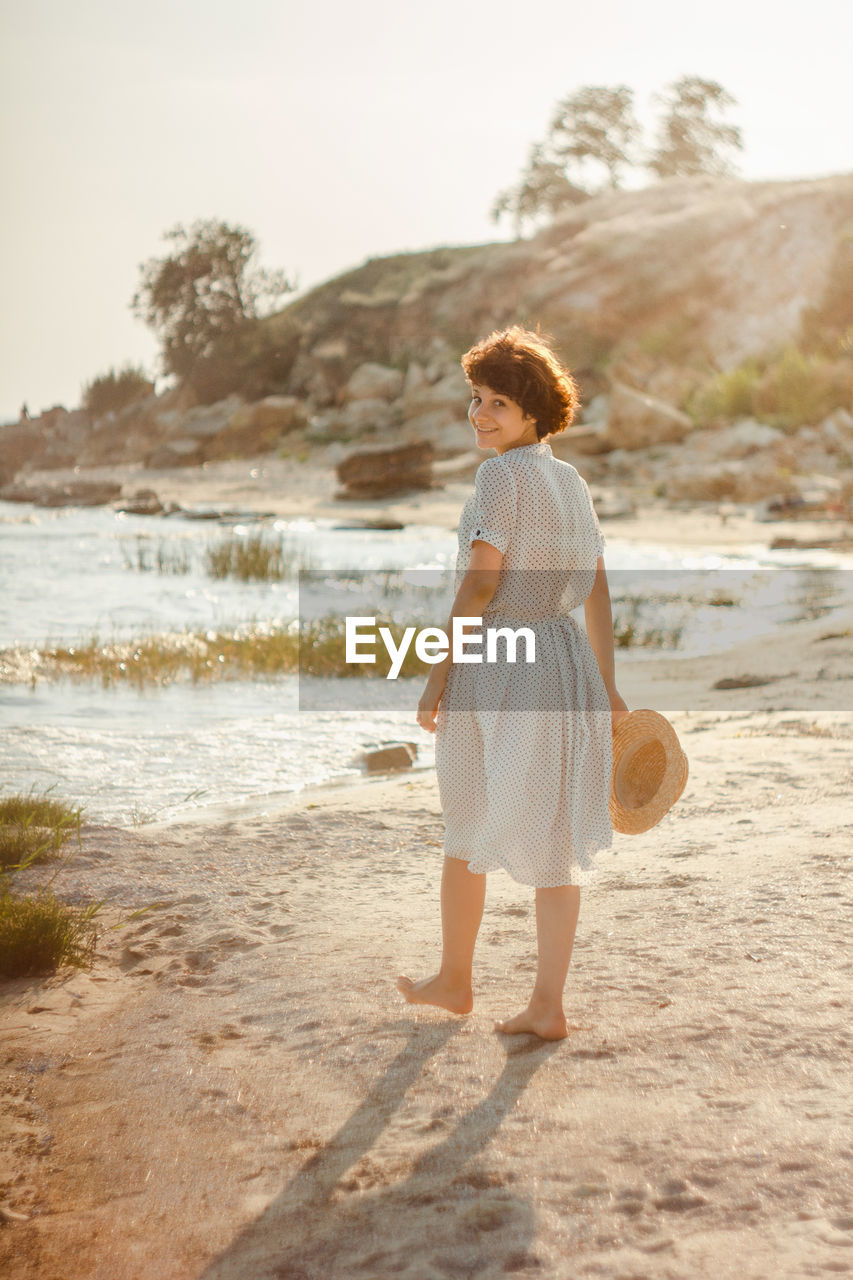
{"x": 391, "y": 756}
{"x": 367, "y": 414}
{"x": 424, "y": 394}
{"x": 373, "y": 382}
{"x": 733, "y": 480}
{"x": 591, "y": 438}
{"x": 446, "y": 430}
{"x": 740, "y": 440}
{"x": 375, "y": 472}
{"x": 637, "y": 420}
{"x": 207, "y": 420}
{"x": 258, "y": 428}
{"x": 279, "y": 414}
{"x": 175, "y": 453}
{"x": 837, "y": 431}
{"x": 142, "y": 503}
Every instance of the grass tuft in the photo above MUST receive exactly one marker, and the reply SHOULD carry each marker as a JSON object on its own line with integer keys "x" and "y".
{"x": 40, "y": 933}
{"x": 162, "y": 559}
{"x": 255, "y": 558}
{"x": 33, "y": 827}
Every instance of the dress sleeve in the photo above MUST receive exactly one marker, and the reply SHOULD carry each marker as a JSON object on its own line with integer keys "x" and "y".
{"x": 494, "y": 504}
{"x": 598, "y": 536}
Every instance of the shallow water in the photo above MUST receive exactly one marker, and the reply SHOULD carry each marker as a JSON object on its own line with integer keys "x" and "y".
{"x": 129, "y": 756}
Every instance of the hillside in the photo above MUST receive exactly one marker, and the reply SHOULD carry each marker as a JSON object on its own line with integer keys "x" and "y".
{"x": 684, "y": 308}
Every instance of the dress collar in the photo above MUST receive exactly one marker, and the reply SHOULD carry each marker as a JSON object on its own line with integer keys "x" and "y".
{"x": 540, "y": 447}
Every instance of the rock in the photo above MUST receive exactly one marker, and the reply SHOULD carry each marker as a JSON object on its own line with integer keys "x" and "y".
{"x": 207, "y": 420}
{"x": 415, "y": 382}
{"x": 454, "y": 438}
{"x": 446, "y": 428}
{"x": 175, "y": 453}
{"x": 76, "y": 493}
{"x": 280, "y": 414}
{"x": 735, "y": 481}
{"x": 365, "y": 415}
{"x": 637, "y": 420}
{"x": 142, "y": 503}
{"x": 596, "y": 410}
{"x": 378, "y": 471}
{"x": 258, "y": 428}
{"x": 741, "y": 439}
{"x": 373, "y": 382}
{"x": 394, "y": 755}
{"x": 839, "y": 426}
{"x": 327, "y": 425}
{"x": 334, "y": 349}
{"x": 449, "y": 393}
{"x": 743, "y": 682}
{"x": 591, "y": 438}
{"x": 20, "y": 443}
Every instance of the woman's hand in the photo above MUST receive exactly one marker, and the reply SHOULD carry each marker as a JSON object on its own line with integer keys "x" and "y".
{"x": 618, "y": 708}
{"x": 428, "y": 705}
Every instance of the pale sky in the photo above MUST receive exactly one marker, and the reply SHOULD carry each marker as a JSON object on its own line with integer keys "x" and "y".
{"x": 335, "y": 132}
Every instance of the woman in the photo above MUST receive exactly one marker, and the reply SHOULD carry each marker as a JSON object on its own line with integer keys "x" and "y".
{"x": 523, "y": 750}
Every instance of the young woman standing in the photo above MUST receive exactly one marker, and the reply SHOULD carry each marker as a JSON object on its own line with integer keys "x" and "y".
{"x": 523, "y": 749}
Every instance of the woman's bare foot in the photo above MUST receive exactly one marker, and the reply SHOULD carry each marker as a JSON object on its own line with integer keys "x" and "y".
{"x": 536, "y": 1022}
{"x": 437, "y": 991}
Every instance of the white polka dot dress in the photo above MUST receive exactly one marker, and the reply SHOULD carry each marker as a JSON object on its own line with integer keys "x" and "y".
{"x": 524, "y": 750}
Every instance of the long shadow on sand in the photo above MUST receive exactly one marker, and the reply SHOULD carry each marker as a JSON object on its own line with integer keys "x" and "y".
{"x": 433, "y": 1219}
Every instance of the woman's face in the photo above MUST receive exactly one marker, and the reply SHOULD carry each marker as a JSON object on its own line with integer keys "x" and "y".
{"x": 499, "y": 422}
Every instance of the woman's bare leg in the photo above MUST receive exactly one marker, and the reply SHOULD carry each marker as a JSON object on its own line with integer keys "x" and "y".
{"x": 462, "y": 897}
{"x": 556, "y": 920}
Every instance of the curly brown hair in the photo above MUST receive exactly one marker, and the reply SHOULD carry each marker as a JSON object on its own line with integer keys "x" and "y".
{"x": 521, "y": 365}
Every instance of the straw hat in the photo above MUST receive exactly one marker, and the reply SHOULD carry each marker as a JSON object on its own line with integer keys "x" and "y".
{"x": 649, "y": 771}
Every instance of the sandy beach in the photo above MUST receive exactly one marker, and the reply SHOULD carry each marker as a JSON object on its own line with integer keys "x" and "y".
{"x": 236, "y": 1090}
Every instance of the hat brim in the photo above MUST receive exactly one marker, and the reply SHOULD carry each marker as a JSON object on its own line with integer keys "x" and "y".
{"x": 649, "y": 771}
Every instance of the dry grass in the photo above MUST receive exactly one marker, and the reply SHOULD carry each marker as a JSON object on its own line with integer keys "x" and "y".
{"x": 34, "y": 827}
{"x": 39, "y": 933}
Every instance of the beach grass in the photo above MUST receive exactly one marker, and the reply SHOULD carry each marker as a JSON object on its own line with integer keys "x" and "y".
{"x": 318, "y": 648}
{"x": 160, "y": 559}
{"x": 34, "y": 827}
{"x": 39, "y": 933}
{"x": 255, "y": 558}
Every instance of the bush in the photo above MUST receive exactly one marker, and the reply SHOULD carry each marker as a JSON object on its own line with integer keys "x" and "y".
{"x": 116, "y": 390}
{"x": 795, "y": 389}
{"x": 40, "y": 933}
{"x": 800, "y": 390}
{"x": 727, "y": 396}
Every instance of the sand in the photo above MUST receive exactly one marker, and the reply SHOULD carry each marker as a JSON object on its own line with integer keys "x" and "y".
{"x": 236, "y": 1091}
{"x": 293, "y": 489}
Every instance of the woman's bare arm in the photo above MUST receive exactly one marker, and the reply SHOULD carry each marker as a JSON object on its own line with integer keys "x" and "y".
{"x": 476, "y": 590}
{"x": 599, "y": 628}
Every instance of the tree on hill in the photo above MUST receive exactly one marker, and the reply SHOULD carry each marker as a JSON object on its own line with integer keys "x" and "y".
{"x": 204, "y": 300}
{"x": 110, "y": 392}
{"x": 595, "y": 127}
{"x": 591, "y": 130}
{"x": 542, "y": 188}
{"x": 692, "y": 139}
